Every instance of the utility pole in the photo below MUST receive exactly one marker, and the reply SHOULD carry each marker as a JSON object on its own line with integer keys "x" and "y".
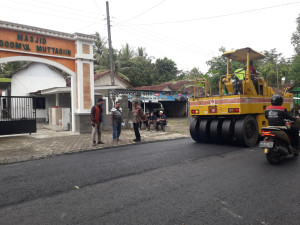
{"x": 277, "y": 77}
{"x": 110, "y": 47}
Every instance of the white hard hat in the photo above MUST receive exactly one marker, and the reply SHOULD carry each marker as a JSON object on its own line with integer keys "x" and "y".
{"x": 161, "y": 112}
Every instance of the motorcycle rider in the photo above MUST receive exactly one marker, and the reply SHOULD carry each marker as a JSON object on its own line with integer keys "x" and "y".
{"x": 276, "y": 115}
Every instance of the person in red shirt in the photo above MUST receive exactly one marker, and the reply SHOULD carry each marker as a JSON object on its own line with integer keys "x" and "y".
{"x": 253, "y": 71}
{"x": 252, "y": 68}
{"x": 276, "y": 114}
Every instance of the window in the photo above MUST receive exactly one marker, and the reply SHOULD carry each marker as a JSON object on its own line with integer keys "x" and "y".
{"x": 39, "y": 103}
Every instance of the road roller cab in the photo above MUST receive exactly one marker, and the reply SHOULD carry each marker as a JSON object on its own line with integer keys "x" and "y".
{"x": 237, "y": 113}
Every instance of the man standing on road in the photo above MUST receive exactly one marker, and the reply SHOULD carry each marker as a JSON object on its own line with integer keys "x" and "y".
{"x": 137, "y": 115}
{"x": 116, "y": 121}
{"x": 96, "y": 121}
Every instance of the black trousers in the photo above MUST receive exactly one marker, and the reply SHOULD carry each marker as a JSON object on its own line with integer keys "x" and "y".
{"x": 145, "y": 122}
{"x": 237, "y": 87}
{"x": 136, "y": 131}
{"x": 162, "y": 124}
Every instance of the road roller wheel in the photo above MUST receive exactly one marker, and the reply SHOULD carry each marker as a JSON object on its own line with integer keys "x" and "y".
{"x": 204, "y": 130}
{"x": 228, "y": 131}
{"x": 194, "y": 129}
{"x": 246, "y": 131}
{"x": 216, "y": 130}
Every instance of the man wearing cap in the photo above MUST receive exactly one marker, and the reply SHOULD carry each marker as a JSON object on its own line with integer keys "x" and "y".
{"x": 161, "y": 120}
{"x": 96, "y": 121}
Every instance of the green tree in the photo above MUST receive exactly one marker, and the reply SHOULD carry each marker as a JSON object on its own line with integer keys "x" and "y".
{"x": 218, "y": 67}
{"x": 126, "y": 53}
{"x": 165, "y": 70}
{"x": 123, "y": 57}
{"x": 141, "y": 52}
{"x": 274, "y": 67}
{"x": 8, "y": 68}
{"x": 295, "y": 65}
{"x": 101, "y": 54}
{"x": 295, "y": 71}
{"x": 139, "y": 71}
{"x": 195, "y": 73}
{"x": 182, "y": 75}
{"x": 296, "y": 37}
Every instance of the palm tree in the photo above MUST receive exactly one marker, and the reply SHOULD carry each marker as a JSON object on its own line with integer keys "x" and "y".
{"x": 125, "y": 54}
{"x": 101, "y": 54}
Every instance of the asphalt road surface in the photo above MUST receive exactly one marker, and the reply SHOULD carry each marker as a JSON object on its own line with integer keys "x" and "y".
{"x": 170, "y": 182}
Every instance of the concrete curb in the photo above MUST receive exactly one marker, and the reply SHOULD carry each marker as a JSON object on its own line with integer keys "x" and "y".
{"x": 85, "y": 150}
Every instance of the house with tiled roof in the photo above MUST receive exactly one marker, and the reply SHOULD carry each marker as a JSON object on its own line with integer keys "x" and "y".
{"x": 104, "y": 78}
{"x": 52, "y": 87}
{"x": 179, "y": 107}
{"x": 182, "y": 86}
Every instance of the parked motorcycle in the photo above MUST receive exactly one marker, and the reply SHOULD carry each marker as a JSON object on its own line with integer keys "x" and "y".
{"x": 277, "y": 142}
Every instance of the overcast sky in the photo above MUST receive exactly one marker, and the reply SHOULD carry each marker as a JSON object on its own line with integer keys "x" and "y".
{"x": 190, "y": 32}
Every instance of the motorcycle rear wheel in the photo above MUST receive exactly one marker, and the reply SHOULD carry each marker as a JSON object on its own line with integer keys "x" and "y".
{"x": 272, "y": 157}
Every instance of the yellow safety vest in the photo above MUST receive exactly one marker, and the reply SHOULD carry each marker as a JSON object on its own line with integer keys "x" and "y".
{"x": 240, "y": 73}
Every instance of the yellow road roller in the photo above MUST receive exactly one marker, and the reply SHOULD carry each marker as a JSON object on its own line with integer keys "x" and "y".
{"x": 237, "y": 113}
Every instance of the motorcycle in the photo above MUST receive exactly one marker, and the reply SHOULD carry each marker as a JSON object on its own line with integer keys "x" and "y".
{"x": 277, "y": 142}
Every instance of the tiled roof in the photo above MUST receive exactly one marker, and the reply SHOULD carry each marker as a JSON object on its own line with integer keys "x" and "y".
{"x": 182, "y": 86}
{"x": 99, "y": 75}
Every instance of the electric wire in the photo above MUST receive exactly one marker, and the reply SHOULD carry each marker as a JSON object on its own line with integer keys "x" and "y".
{"x": 168, "y": 39}
{"x": 168, "y": 43}
{"x": 48, "y": 14}
{"x": 86, "y": 26}
{"x": 145, "y": 11}
{"x": 174, "y": 45}
{"x": 95, "y": 22}
{"x": 159, "y": 37}
{"x": 98, "y": 8}
{"x": 217, "y": 16}
{"x": 57, "y": 10}
{"x": 143, "y": 43}
{"x": 164, "y": 43}
{"x": 62, "y": 6}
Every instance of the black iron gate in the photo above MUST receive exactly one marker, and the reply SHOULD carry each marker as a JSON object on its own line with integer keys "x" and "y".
{"x": 17, "y": 115}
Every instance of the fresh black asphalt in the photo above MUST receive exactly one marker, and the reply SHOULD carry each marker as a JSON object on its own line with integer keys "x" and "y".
{"x": 170, "y": 182}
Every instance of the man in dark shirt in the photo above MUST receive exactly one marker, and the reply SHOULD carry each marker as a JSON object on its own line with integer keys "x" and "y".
{"x": 152, "y": 120}
{"x": 161, "y": 120}
{"x": 276, "y": 115}
{"x": 96, "y": 121}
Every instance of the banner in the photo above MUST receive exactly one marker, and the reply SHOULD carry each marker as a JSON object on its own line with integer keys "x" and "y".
{"x": 153, "y": 96}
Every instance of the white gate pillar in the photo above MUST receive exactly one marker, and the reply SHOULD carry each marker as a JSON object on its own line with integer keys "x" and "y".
{"x": 83, "y": 83}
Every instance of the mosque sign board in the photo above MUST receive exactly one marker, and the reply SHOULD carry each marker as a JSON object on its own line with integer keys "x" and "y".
{"x": 23, "y": 41}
